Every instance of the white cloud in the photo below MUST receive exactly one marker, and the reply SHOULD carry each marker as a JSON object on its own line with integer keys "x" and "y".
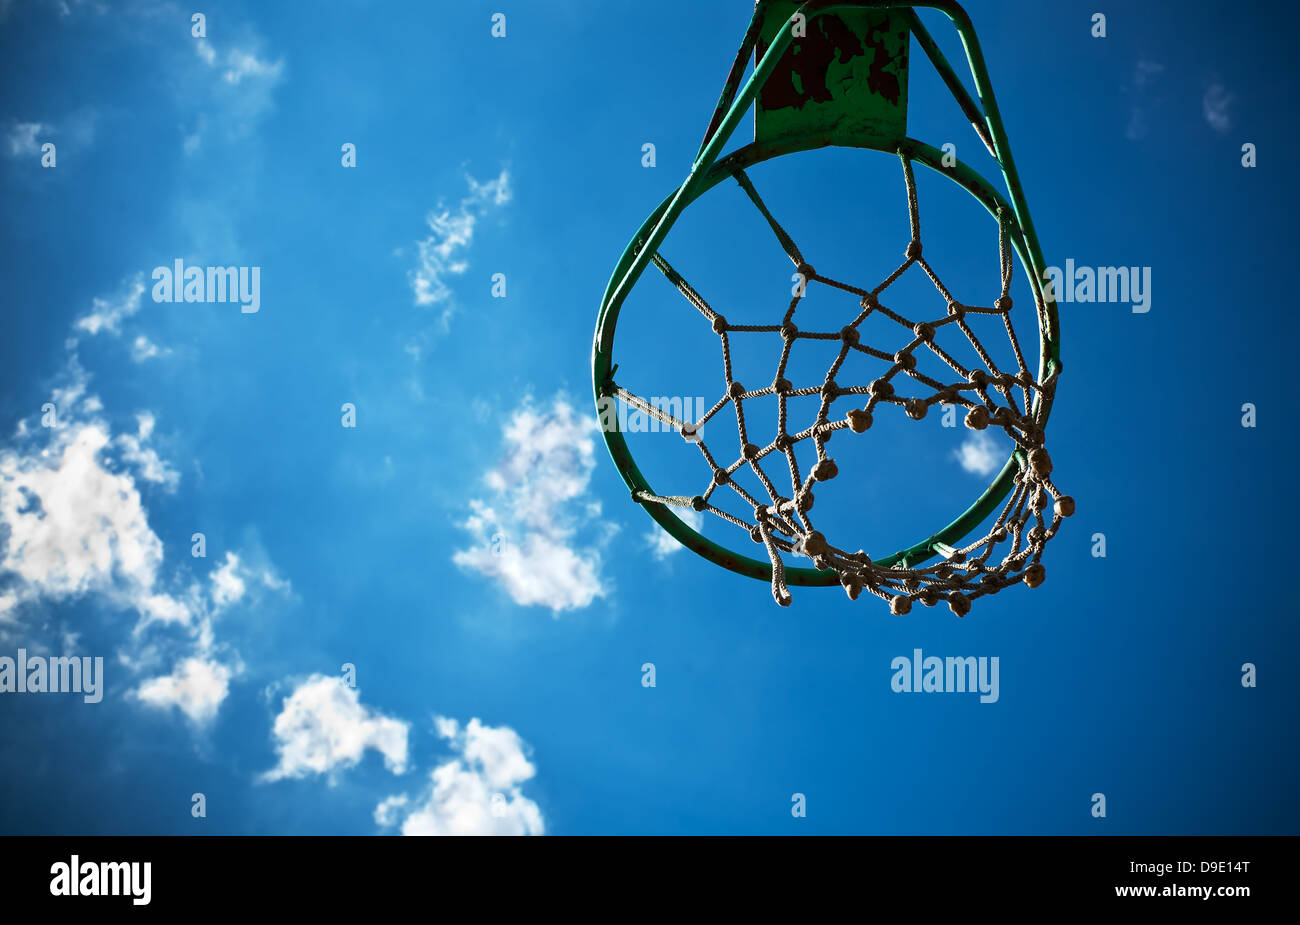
{"x": 479, "y": 792}
{"x": 442, "y": 253}
{"x": 1215, "y": 104}
{"x": 142, "y": 348}
{"x": 979, "y": 454}
{"x": 322, "y": 728}
{"x": 494, "y": 192}
{"x": 73, "y": 523}
{"x": 163, "y": 608}
{"x": 196, "y": 687}
{"x": 227, "y": 585}
{"x": 107, "y": 313}
{"x": 24, "y": 137}
{"x": 76, "y": 525}
{"x": 72, "y": 510}
{"x": 525, "y": 535}
{"x": 150, "y": 466}
{"x": 662, "y": 544}
{"x": 199, "y": 682}
{"x": 241, "y": 64}
{"x": 389, "y": 811}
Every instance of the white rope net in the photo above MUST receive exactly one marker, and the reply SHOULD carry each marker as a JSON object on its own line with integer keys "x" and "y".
{"x": 783, "y": 521}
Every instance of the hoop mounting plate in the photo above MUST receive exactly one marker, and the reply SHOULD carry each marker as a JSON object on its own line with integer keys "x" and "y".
{"x": 844, "y": 79}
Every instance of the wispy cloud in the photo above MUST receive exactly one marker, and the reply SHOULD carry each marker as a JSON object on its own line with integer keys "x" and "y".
{"x": 526, "y": 533}
{"x": 444, "y": 252}
{"x": 1216, "y": 105}
{"x": 72, "y": 131}
{"x": 478, "y": 792}
{"x": 148, "y": 464}
{"x": 142, "y": 348}
{"x": 228, "y": 583}
{"x": 241, "y": 64}
{"x": 25, "y": 138}
{"x": 239, "y": 97}
{"x": 67, "y": 8}
{"x": 107, "y": 313}
{"x": 1145, "y": 74}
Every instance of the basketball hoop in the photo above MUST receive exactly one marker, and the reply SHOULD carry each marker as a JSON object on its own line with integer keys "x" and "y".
{"x": 851, "y": 65}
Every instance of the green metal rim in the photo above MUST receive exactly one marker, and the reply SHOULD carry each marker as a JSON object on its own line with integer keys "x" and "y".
{"x": 710, "y": 169}
{"x": 615, "y": 442}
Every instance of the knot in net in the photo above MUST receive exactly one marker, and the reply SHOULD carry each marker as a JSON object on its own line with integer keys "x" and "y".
{"x": 783, "y": 521}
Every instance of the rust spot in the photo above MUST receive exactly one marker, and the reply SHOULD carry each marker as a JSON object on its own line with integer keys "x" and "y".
{"x": 879, "y": 80}
{"x": 809, "y": 57}
{"x": 800, "y": 76}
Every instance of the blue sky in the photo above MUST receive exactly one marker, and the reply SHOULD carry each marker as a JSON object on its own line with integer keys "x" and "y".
{"x": 469, "y": 548}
